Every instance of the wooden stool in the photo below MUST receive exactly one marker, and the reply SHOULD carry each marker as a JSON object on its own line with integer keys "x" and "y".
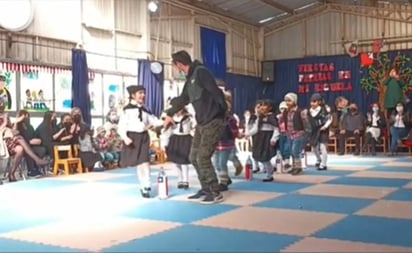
{"x": 65, "y": 162}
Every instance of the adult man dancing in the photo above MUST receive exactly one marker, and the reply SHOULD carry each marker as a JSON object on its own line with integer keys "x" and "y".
{"x": 210, "y": 107}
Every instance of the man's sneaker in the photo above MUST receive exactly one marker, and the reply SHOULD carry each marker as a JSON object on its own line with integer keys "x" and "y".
{"x": 199, "y": 194}
{"x": 223, "y": 187}
{"x": 145, "y": 192}
{"x": 296, "y": 171}
{"x": 34, "y": 174}
{"x": 212, "y": 198}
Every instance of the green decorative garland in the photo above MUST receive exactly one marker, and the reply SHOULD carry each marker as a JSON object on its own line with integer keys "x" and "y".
{"x": 379, "y": 71}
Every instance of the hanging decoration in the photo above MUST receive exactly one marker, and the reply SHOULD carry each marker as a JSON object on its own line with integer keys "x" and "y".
{"x": 378, "y": 71}
{"x": 366, "y": 59}
{"x": 351, "y": 48}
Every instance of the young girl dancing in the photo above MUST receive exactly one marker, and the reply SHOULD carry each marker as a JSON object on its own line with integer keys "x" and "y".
{"x": 177, "y": 140}
{"x": 265, "y": 134}
{"x": 133, "y": 128}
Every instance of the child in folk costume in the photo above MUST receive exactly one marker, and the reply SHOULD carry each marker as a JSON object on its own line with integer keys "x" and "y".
{"x": 375, "y": 121}
{"x": 265, "y": 134}
{"x": 284, "y": 147}
{"x": 133, "y": 128}
{"x": 320, "y": 119}
{"x": 297, "y": 127}
{"x": 177, "y": 141}
{"x": 226, "y": 148}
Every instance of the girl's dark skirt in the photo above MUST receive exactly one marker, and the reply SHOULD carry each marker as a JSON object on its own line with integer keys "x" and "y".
{"x": 262, "y": 151}
{"x": 178, "y": 149}
{"x": 137, "y": 152}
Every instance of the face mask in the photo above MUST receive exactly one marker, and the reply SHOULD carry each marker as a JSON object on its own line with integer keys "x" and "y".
{"x": 399, "y": 109}
{"x": 375, "y": 109}
{"x": 76, "y": 118}
{"x": 182, "y": 74}
{"x": 345, "y": 110}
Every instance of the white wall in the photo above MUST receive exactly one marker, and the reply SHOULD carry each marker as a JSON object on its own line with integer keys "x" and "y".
{"x": 109, "y": 27}
{"x": 178, "y": 28}
{"x": 322, "y": 35}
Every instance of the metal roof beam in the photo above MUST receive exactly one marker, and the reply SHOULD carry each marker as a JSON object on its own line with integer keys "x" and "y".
{"x": 277, "y": 6}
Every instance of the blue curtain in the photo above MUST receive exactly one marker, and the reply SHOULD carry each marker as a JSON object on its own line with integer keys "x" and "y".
{"x": 80, "y": 84}
{"x": 246, "y": 90}
{"x": 153, "y": 84}
{"x": 213, "y": 45}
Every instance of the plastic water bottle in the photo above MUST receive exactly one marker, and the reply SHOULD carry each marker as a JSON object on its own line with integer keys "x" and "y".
{"x": 162, "y": 185}
{"x": 249, "y": 169}
{"x": 303, "y": 159}
{"x": 279, "y": 164}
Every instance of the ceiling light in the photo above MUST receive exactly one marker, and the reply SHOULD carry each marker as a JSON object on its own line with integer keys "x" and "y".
{"x": 266, "y": 20}
{"x": 153, "y": 6}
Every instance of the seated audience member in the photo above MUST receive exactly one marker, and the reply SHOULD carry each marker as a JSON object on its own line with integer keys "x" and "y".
{"x": 115, "y": 143}
{"x": 400, "y": 124}
{"x": 352, "y": 125}
{"x": 26, "y": 130}
{"x": 17, "y": 147}
{"x": 375, "y": 123}
{"x": 102, "y": 145}
{"x": 64, "y": 136}
{"x": 83, "y": 135}
{"x": 112, "y": 119}
{"x": 341, "y": 108}
{"x": 47, "y": 132}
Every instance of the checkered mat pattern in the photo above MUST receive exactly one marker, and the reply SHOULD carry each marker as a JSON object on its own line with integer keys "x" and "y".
{"x": 359, "y": 205}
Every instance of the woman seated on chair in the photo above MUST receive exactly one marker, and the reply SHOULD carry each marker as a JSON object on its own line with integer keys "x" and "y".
{"x": 16, "y": 145}
{"x": 26, "y": 130}
{"x": 47, "y": 132}
{"x": 83, "y": 135}
{"x": 400, "y": 124}
{"x": 375, "y": 123}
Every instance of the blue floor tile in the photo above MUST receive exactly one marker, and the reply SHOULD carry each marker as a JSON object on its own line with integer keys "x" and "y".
{"x": 177, "y": 211}
{"x": 17, "y": 219}
{"x": 375, "y": 182}
{"x": 132, "y": 179}
{"x": 42, "y": 184}
{"x": 191, "y": 238}
{"x": 401, "y": 195}
{"x": 392, "y": 169}
{"x": 317, "y": 203}
{"x": 8, "y": 245}
{"x": 395, "y": 232}
{"x": 313, "y": 171}
{"x": 122, "y": 171}
{"x": 268, "y": 187}
{"x": 353, "y": 162}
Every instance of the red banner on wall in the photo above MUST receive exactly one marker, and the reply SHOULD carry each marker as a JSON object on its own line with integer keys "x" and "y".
{"x": 323, "y": 77}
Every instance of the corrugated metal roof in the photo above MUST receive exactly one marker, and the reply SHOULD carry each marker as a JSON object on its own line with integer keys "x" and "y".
{"x": 257, "y": 11}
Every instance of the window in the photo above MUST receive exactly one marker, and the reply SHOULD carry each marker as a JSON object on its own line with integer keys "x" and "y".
{"x": 8, "y": 92}
{"x": 96, "y": 96}
{"x": 36, "y": 92}
{"x": 113, "y": 92}
{"x": 63, "y": 92}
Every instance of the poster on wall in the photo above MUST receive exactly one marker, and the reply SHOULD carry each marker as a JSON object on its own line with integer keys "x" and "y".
{"x": 63, "y": 92}
{"x": 8, "y": 90}
{"x": 113, "y": 93}
{"x": 36, "y": 92}
{"x": 96, "y": 96}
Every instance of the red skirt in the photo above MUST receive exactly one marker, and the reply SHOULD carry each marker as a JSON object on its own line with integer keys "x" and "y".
{"x": 11, "y": 143}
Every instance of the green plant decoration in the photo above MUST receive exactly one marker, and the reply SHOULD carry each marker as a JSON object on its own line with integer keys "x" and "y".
{"x": 8, "y": 79}
{"x": 379, "y": 71}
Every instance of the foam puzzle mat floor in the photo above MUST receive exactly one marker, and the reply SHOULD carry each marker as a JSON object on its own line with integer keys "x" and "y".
{"x": 361, "y": 204}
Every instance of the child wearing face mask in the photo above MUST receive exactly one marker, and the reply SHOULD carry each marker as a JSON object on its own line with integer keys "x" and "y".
{"x": 400, "y": 124}
{"x": 375, "y": 122}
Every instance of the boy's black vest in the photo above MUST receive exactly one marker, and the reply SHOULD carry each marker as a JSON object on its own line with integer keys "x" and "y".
{"x": 320, "y": 119}
{"x": 227, "y": 135}
{"x": 297, "y": 120}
